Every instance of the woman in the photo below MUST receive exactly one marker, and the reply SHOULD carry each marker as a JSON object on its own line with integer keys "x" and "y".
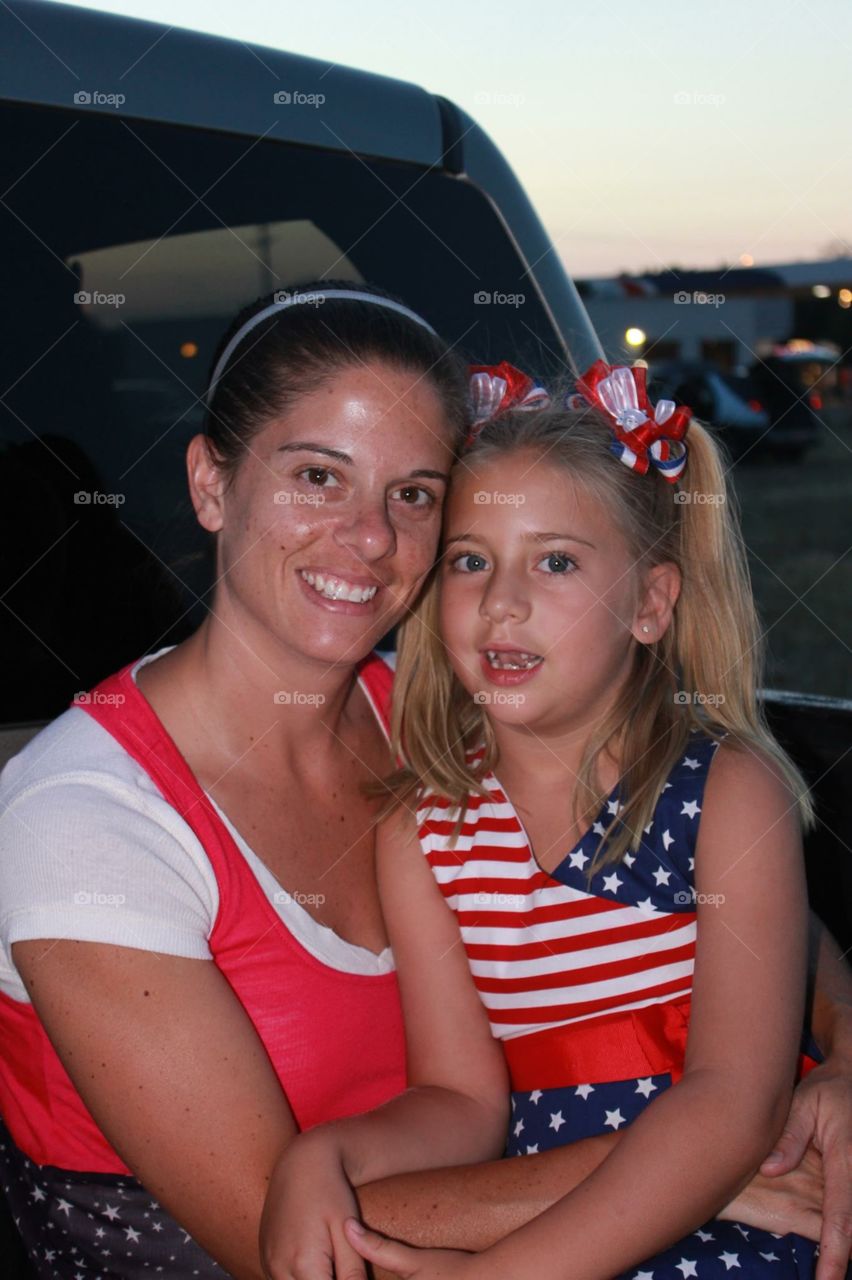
{"x": 207, "y": 804}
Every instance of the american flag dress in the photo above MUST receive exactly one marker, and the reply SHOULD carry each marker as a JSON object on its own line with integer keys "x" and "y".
{"x": 587, "y": 984}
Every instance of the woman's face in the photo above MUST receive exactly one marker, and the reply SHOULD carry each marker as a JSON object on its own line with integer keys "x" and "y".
{"x": 332, "y": 519}
{"x": 538, "y": 593}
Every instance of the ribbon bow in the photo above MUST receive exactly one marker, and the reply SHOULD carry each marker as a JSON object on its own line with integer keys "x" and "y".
{"x": 640, "y": 437}
{"x": 495, "y": 388}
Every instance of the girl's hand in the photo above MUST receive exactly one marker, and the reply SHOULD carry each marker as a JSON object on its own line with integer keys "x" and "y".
{"x": 821, "y": 1115}
{"x": 407, "y": 1263}
{"x": 309, "y": 1199}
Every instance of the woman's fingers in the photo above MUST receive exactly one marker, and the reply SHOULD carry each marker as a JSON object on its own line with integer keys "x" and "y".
{"x": 835, "y": 1242}
{"x": 388, "y": 1254}
{"x": 798, "y": 1132}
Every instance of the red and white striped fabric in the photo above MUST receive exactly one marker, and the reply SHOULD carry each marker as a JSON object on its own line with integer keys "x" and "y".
{"x": 545, "y": 953}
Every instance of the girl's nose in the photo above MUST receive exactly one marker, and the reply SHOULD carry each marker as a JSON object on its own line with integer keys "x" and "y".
{"x": 502, "y": 600}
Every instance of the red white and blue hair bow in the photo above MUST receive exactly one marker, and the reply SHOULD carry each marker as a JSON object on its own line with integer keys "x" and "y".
{"x": 494, "y": 388}
{"x": 645, "y": 435}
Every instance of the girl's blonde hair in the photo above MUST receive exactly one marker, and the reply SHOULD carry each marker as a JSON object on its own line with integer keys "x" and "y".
{"x": 702, "y": 674}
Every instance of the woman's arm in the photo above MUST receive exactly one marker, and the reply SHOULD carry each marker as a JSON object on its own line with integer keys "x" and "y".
{"x": 174, "y": 1073}
{"x": 700, "y": 1141}
{"x": 821, "y": 1115}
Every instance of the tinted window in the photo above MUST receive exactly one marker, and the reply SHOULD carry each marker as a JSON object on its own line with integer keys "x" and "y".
{"x": 128, "y": 247}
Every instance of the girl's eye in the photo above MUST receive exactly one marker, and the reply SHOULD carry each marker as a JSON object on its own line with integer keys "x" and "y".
{"x": 556, "y": 562}
{"x": 319, "y": 476}
{"x": 413, "y": 496}
{"x": 469, "y": 562}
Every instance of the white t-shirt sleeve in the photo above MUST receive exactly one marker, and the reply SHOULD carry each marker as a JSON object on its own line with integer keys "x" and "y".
{"x": 96, "y": 855}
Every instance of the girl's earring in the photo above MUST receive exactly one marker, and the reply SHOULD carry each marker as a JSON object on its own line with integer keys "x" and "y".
{"x": 645, "y": 628}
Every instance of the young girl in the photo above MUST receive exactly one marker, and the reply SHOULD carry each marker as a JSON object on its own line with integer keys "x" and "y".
{"x": 594, "y": 823}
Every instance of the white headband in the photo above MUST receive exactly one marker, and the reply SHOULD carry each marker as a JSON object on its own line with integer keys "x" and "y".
{"x": 292, "y": 300}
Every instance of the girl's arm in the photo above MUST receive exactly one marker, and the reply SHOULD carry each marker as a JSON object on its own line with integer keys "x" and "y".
{"x": 455, "y": 1109}
{"x": 702, "y": 1140}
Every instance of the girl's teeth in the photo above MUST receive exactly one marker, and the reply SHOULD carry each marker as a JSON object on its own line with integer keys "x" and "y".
{"x": 512, "y": 661}
{"x": 338, "y": 588}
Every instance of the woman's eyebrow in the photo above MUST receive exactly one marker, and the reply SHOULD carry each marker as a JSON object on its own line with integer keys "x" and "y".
{"x": 297, "y": 446}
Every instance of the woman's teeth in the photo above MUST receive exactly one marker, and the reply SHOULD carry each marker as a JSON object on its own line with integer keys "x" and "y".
{"x": 338, "y": 588}
{"x": 512, "y": 659}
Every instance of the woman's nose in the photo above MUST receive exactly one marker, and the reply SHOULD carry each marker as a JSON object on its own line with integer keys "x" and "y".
{"x": 367, "y": 531}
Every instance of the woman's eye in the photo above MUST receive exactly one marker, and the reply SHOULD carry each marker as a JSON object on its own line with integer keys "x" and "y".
{"x": 320, "y": 476}
{"x": 413, "y": 496}
{"x": 469, "y": 562}
{"x": 558, "y": 563}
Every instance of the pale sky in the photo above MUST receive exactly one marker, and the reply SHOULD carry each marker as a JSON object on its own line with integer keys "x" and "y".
{"x": 646, "y": 134}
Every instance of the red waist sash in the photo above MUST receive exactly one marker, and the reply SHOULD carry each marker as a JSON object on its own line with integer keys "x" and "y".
{"x": 626, "y": 1045}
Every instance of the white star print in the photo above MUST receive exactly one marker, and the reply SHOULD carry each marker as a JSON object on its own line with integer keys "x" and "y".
{"x": 615, "y": 1118}
{"x": 100, "y": 1233}
{"x": 691, "y": 764}
{"x": 730, "y": 1260}
{"x": 598, "y": 829}
{"x": 533, "y": 1150}
{"x": 661, "y": 876}
{"x": 37, "y": 1194}
{"x": 578, "y": 859}
{"x": 741, "y": 1230}
{"x": 667, "y": 787}
{"x": 668, "y": 840}
{"x": 535, "y": 1095}
{"x": 692, "y": 864}
{"x": 646, "y": 1087}
{"x": 612, "y": 806}
{"x": 63, "y": 1206}
{"x": 770, "y": 1257}
{"x": 112, "y": 1212}
{"x": 556, "y": 1122}
{"x": 612, "y": 883}
{"x": 705, "y": 1235}
{"x": 647, "y": 906}
{"x": 691, "y": 808}
{"x": 133, "y": 1237}
{"x": 583, "y": 1091}
{"x": 629, "y": 859}
{"x": 49, "y": 1255}
{"x": 519, "y": 1128}
{"x": 648, "y": 828}
{"x": 157, "y": 1226}
{"x": 686, "y": 1267}
{"x": 644, "y": 1275}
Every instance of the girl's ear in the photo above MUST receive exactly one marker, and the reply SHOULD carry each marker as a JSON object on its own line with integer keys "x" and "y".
{"x": 206, "y": 484}
{"x": 660, "y": 592}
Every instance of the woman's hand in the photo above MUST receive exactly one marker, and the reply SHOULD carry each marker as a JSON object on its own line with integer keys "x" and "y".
{"x": 301, "y": 1230}
{"x": 821, "y": 1116}
{"x": 792, "y": 1202}
{"x": 411, "y": 1264}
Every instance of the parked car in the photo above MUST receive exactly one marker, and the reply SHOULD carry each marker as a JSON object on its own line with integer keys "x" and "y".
{"x": 787, "y": 381}
{"x": 726, "y": 401}
{"x": 155, "y": 180}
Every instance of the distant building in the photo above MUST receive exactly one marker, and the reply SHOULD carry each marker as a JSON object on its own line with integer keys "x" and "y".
{"x": 730, "y": 316}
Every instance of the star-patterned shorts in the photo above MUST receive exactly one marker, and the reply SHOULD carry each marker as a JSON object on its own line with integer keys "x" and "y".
{"x": 548, "y": 1118}
{"x": 78, "y": 1226}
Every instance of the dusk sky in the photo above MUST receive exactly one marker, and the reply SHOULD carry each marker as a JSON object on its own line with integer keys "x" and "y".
{"x": 646, "y": 135}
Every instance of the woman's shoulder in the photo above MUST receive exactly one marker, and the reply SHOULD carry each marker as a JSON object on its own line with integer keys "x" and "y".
{"x": 83, "y": 827}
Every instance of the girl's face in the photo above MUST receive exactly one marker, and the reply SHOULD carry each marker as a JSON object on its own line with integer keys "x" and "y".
{"x": 539, "y": 594}
{"x": 332, "y": 519}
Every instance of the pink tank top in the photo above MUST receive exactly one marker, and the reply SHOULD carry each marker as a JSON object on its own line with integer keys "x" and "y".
{"x": 335, "y": 1039}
